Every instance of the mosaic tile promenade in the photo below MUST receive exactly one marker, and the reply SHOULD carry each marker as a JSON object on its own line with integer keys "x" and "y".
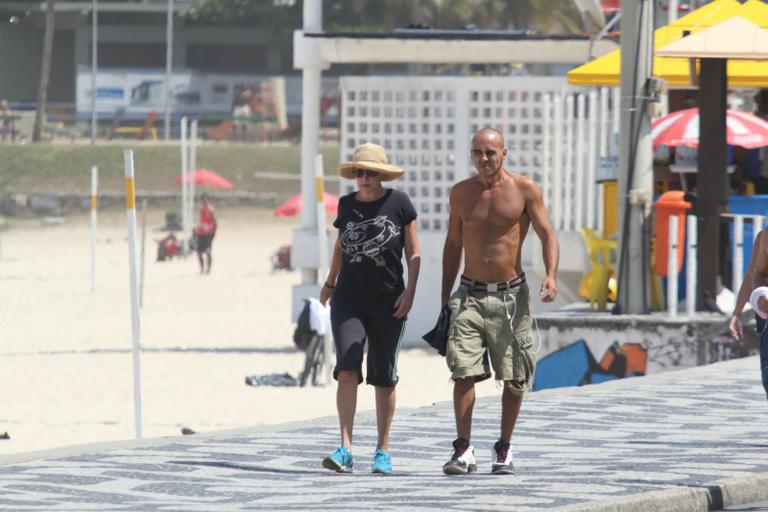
{"x": 591, "y": 448}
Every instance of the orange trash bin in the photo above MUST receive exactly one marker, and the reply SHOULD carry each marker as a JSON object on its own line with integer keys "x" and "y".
{"x": 668, "y": 204}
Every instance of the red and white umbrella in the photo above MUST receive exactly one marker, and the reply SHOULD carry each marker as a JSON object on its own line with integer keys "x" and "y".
{"x": 681, "y": 128}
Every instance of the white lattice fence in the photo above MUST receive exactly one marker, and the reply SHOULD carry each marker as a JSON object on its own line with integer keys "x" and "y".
{"x": 554, "y": 136}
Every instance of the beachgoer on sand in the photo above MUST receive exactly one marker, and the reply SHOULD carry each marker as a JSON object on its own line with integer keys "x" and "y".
{"x": 205, "y": 231}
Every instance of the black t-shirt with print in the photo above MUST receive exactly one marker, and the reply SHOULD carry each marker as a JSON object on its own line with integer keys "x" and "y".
{"x": 372, "y": 238}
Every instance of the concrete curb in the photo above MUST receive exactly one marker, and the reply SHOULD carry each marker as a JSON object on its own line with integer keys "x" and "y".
{"x": 716, "y": 496}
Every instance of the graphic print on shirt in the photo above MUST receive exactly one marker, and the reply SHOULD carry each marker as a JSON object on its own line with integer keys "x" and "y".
{"x": 368, "y": 239}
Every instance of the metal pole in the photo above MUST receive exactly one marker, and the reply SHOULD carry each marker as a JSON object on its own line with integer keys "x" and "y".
{"x": 757, "y": 225}
{"x": 94, "y": 67}
{"x": 604, "y": 120}
{"x": 737, "y": 263}
{"x": 672, "y": 267}
{"x": 672, "y": 12}
{"x": 184, "y": 167}
{"x": 591, "y": 160}
{"x": 192, "y": 145}
{"x": 94, "y": 204}
{"x": 635, "y": 162}
{"x": 143, "y": 249}
{"x": 130, "y": 206}
{"x": 168, "y": 68}
{"x": 690, "y": 279}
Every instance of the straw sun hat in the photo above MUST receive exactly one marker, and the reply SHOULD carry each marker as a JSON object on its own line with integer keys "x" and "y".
{"x": 372, "y": 157}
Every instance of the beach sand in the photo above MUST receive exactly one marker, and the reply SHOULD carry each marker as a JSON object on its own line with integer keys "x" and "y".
{"x": 66, "y": 371}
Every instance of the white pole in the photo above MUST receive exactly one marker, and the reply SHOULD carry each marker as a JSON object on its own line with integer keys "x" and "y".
{"x": 757, "y": 225}
{"x": 557, "y": 198}
{"x": 578, "y": 186}
{"x": 592, "y": 159}
{"x": 547, "y": 149}
{"x": 672, "y": 268}
{"x": 130, "y": 206}
{"x": 616, "y": 111}
{"x": 312, "y": 11}
{"x": 184, "y": 167}
{"x": 192, "y": 145}
{"x": 143, "y": 249}
{"x": 94, "y": 66}
{"x": 737, "y": 263}
{"x": 322, "y": 265}
{"x": 168, "y": 68}
{"x": 94, "y": 205}
{"x": 604, "y": 120}
{"x": 690, "y": 279}
{"x": 568, "y": 162}
{"x": 672, "y": 13}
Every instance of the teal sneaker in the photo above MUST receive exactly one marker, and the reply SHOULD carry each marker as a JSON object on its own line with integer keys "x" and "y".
{"x": 339, "y": 461}
{"x": 382, "y": 463}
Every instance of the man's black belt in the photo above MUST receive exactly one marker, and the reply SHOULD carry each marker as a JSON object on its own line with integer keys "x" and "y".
{"x": 492, "y": 287}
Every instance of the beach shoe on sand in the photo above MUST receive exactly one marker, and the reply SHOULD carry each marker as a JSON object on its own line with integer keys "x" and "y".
{"x": 382, "y": 462}
{"x": 340, "y": 460}
{"x": 462, "y": 459}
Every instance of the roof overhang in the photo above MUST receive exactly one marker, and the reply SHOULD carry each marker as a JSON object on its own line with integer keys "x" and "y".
{"x": 440, "y": 48}
{"x": 103, "y": 6}
{"x": 735, "y": 38}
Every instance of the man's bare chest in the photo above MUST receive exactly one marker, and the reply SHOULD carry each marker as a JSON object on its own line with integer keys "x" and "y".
{"x": 493, "y": 208}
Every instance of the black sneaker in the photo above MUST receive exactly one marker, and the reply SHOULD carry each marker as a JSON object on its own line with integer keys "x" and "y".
{"x": 462, "y": 459}
{"x": 502, "y": 459}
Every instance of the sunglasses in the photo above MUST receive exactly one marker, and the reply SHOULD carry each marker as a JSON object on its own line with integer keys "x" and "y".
{"x": 359, "y": 173}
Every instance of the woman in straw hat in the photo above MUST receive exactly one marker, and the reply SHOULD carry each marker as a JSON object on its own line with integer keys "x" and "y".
{"x": 369, "y": 299}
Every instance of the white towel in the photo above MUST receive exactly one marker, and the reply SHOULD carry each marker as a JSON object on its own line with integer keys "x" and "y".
{"x": 760, "y": 291}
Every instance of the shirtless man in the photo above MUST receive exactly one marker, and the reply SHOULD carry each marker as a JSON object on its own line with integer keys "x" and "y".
{"x": 490, "y": 312}
{"x": 754, "y": 289}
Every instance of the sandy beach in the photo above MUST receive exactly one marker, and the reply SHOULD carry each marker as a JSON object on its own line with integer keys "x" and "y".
{"x": 66, "y": 372}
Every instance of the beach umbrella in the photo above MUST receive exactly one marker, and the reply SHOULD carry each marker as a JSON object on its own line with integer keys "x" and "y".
{"x": 681, "y": 128}
{"x": 206, "y": 178}
{"x": 293, "y": 205}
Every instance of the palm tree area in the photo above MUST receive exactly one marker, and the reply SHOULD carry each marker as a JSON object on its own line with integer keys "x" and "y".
{"x": 542, "y": 16}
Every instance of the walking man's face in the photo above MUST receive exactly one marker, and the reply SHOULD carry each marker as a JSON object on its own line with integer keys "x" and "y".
{"x": 488, "y": 154}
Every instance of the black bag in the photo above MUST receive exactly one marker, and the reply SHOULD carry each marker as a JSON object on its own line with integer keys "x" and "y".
{"x": 438, "y": 337}
{"x": 303, "y": 333}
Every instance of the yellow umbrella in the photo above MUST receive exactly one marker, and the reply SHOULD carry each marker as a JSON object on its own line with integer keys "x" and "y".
{"x": 741, "y": 73}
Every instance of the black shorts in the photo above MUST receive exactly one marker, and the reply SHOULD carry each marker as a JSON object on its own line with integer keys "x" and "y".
{"x": 204, "y": 243}
{"x": 352, "y": 327}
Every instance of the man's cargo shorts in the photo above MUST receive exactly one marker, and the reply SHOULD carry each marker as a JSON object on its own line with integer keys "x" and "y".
{"x": 491, "y": 321}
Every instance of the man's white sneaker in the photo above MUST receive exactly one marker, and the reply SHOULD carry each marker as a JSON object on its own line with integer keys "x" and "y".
{"x": 462, "y": 459}
{"x": 502, "y": 459}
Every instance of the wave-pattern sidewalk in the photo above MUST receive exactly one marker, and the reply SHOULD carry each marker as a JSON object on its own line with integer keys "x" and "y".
{"x": 654, "y": 443}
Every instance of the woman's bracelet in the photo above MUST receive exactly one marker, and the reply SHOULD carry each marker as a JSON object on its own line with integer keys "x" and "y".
{"x": 329, "y": 286}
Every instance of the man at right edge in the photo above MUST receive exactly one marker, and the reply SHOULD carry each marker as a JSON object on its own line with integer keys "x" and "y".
{"x": 490, "y": 214}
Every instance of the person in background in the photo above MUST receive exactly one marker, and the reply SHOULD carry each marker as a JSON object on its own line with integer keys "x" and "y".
{"x": 369, "y": 298}
{"x": 7, "y": 123}
{"x": 753, "y": 290}
{"x": 205, "y": 231}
